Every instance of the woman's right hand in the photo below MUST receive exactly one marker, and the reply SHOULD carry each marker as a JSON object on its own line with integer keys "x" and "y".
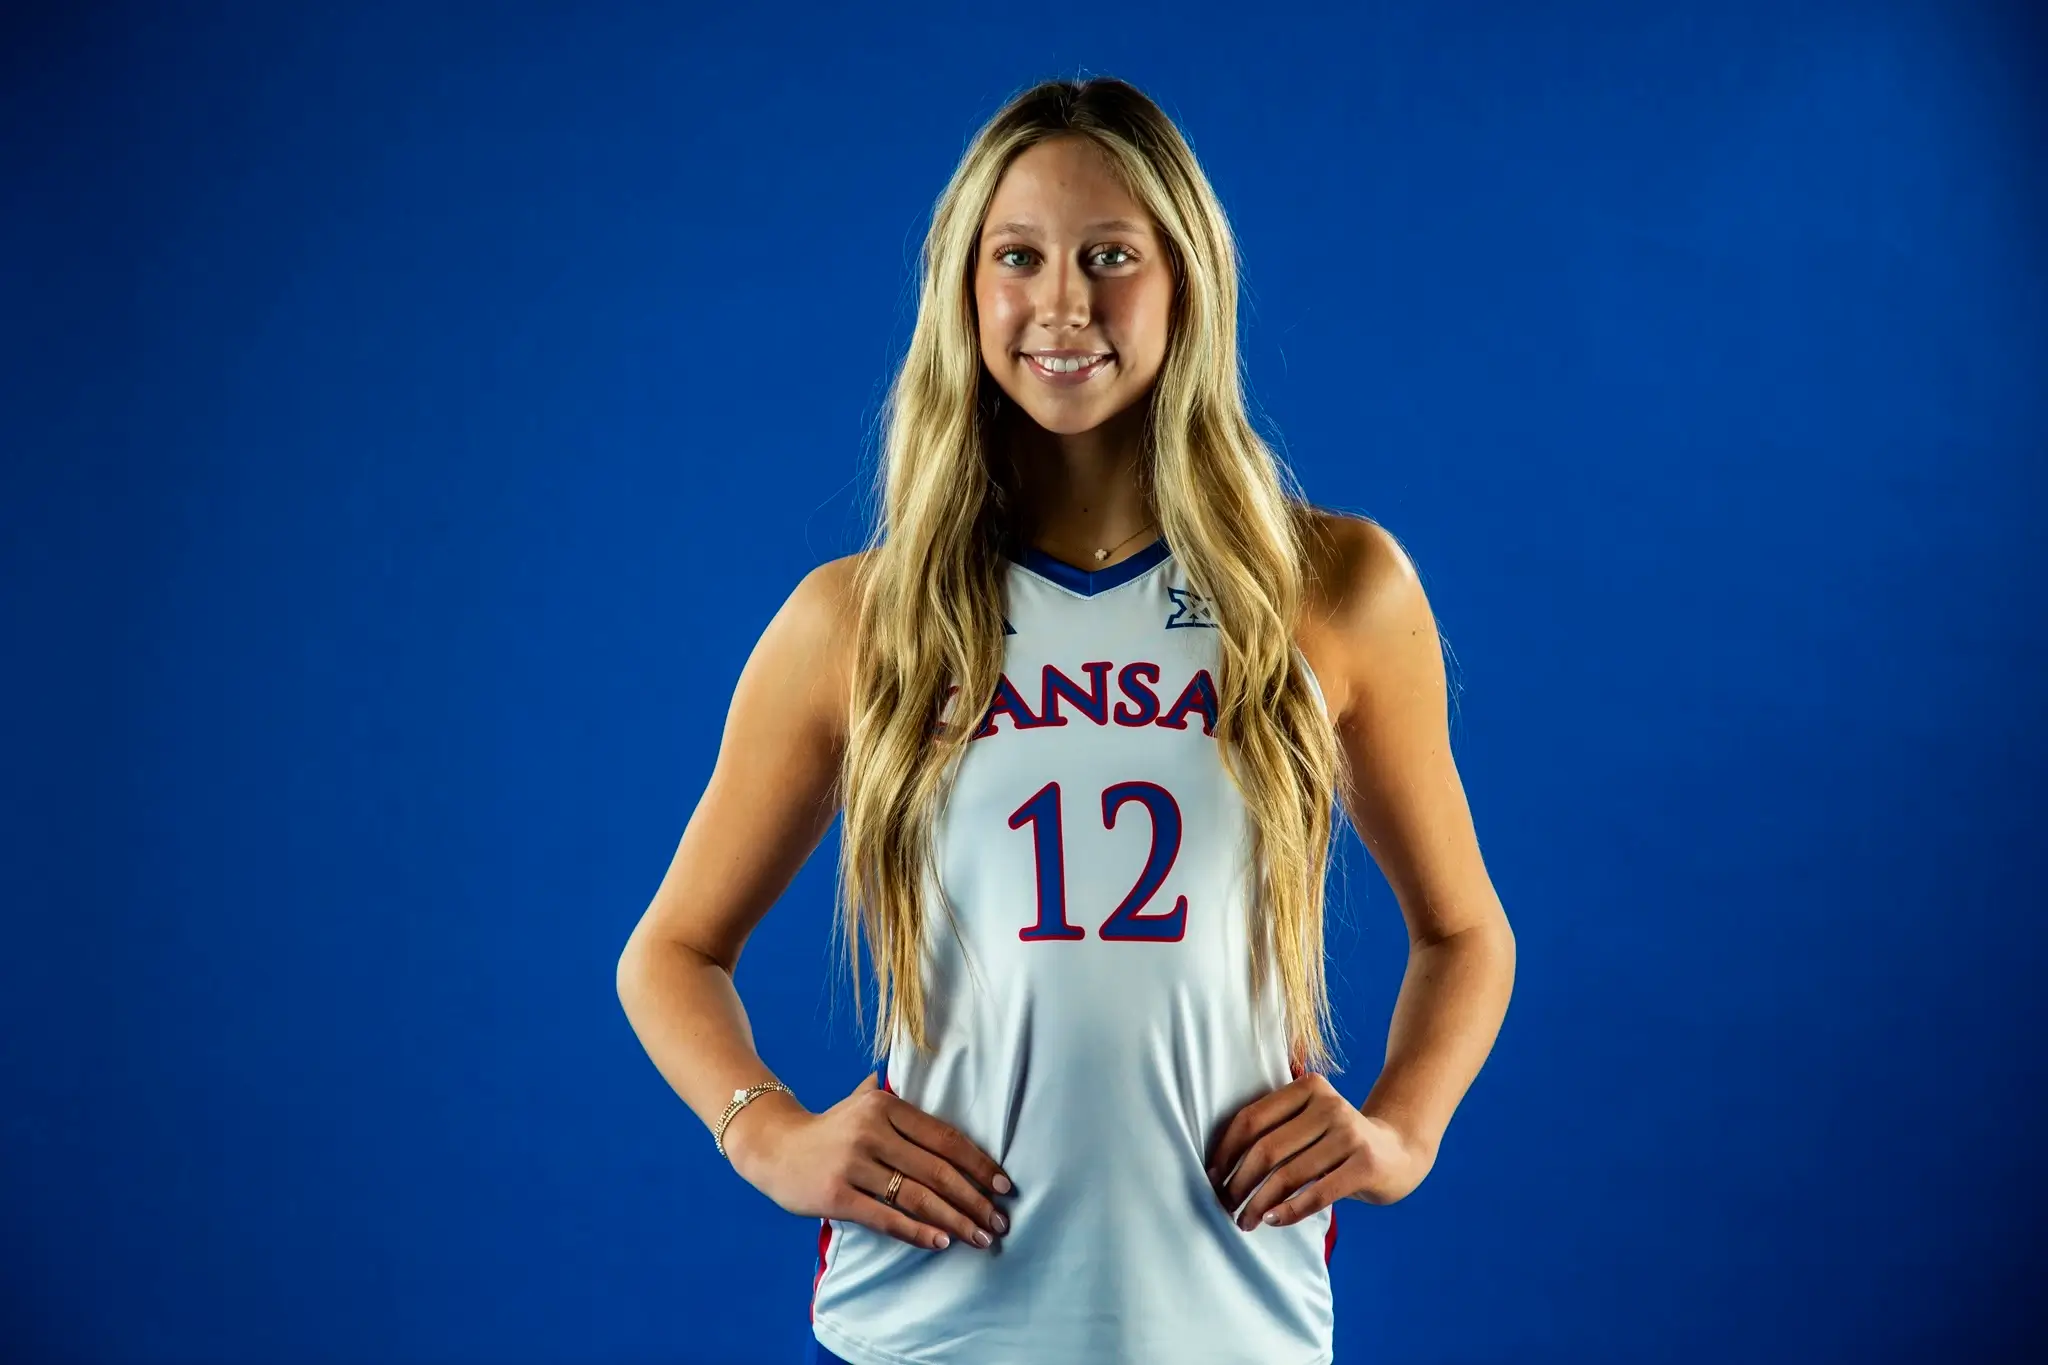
{"x": 838, "y": 1164}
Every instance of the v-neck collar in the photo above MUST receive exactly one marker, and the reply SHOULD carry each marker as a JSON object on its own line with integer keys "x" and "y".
{"x": 1089, "y": 582}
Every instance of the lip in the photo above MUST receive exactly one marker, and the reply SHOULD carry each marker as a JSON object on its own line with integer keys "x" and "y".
{"x": 1067, "y": 381}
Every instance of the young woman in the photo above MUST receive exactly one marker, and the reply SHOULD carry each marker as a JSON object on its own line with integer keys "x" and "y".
{"x": 1086, "y": 704}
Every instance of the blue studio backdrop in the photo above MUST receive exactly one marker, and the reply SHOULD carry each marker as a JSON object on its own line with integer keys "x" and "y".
{"x": 412, "y": 414}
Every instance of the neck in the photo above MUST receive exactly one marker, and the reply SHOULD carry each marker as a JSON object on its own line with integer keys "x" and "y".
{"x": 1085, "y": 492}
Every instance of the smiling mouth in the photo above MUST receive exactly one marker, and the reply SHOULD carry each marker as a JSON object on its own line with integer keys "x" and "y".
{"x": 1068, "y": 368}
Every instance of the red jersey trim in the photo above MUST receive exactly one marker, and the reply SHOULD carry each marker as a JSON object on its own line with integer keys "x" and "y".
{"x": 825, "y": 1231}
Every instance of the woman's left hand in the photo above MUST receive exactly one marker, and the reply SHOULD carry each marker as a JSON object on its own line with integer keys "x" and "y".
{"x": 1318, "y": 1148}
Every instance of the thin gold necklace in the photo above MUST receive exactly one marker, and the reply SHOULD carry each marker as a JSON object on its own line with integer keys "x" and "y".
{"x": 1101, "y": 555}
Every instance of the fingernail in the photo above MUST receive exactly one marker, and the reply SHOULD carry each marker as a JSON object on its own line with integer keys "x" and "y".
{"x": 980, "y": 1238}
{"x": 1002, "y": 1223}
{"x": 944, "y": 1241}
{"x": 1273, "y": 1216}
{"x": 1002, "y": 1184}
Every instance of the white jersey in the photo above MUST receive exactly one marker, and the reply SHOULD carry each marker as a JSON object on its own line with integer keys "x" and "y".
{"x": 1092, "y": 1019}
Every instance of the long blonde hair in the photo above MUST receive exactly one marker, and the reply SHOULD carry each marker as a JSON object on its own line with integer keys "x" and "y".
{"x": 929, "y": 587}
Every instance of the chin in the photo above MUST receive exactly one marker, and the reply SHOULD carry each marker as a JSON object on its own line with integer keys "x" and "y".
{"x": 1068, "y": 424}
{"x": 1072, "y": 420}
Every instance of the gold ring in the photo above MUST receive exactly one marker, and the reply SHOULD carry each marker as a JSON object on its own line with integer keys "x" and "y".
{"x": 895, "y": 1183}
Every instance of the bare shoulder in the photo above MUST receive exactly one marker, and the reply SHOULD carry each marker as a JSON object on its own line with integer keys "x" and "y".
{"x": 829, "y": 588}
{"x": 1369, "y": 632}
{"x": 771, "y": 792}
{"x": 805, "y": 655}
{"x": 1364, "y": 612}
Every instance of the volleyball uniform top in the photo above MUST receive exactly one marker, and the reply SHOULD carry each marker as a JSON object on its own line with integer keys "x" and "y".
{"x": 1092, "y": 1017}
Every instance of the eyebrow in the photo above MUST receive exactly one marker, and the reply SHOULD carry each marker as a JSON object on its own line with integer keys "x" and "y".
{"x": 1024, "y": 229}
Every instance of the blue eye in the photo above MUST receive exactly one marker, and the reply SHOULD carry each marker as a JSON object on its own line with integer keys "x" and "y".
{"x": 1004, "y": 253}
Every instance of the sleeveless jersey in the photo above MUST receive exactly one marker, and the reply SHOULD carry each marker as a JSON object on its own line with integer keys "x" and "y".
{"x": 1088, "y": 982}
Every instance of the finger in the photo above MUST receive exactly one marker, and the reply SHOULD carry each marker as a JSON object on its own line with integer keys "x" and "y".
{"x": 934, "y": 1134}
{"x": 917, "y": 1201}
{"x": 1248, "y": 1124}
{"x": 869, "y": 1182}
{"x": 1296, "y": 1190}
{"x": 927, "y": 1206}
{"x": 1268, "y": 1152}
{"x": 1311, "y": 1199}
{"x": 946, "y": 1181}
{"x": 1271, "y": 1149}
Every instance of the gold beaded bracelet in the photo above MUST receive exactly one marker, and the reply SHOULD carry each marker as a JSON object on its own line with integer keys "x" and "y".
{"x": 740, "y": 1100}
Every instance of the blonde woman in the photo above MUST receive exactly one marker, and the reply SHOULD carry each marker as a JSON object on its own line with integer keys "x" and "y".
{"x": 1086, "y": 704}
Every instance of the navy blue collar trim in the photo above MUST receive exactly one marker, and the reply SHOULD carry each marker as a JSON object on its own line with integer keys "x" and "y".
{"x": 1083, "y": 581}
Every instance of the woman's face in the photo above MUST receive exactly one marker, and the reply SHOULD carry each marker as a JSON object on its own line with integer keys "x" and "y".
{"x": 1070, "y": 268}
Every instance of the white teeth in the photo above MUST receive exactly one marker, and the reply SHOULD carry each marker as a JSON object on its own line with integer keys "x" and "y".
{"x": 1065, "y": 365}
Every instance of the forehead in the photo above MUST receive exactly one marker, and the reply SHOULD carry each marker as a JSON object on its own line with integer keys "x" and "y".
{"x": 1062, "y": 186}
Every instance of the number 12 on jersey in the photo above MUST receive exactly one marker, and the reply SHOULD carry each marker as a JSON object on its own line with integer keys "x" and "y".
{"x": 1127, "y": 921}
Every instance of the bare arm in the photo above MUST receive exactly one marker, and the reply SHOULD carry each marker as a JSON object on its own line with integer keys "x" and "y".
{"x": 770, "y": 800}
{"x": 1369, "y": 636}
{"x": 871, "y": 1158}
{"x": 1377, "y": 651}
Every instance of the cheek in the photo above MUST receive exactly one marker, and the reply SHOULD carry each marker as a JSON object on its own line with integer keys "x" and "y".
{"x": 1002, "y": 311}
{"x": 1159, "y": 309}
{"x": 1143, "y": 317}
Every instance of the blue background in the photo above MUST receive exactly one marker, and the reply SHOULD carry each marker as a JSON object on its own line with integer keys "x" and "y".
{"x": 412, "y": 415}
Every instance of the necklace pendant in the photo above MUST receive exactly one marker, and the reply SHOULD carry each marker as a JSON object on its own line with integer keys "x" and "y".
{"x": 1101, "y": 555}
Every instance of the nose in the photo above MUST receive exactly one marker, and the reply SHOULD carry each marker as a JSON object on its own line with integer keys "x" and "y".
{"x": 1064, "y": 296}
